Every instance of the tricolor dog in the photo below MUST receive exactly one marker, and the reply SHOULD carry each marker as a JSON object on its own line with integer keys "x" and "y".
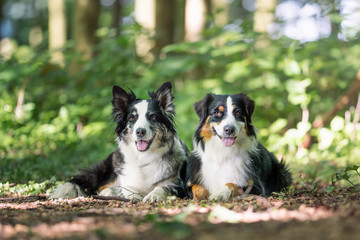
{"x": 150, "y": 155}
{"x": 227, "y": 158}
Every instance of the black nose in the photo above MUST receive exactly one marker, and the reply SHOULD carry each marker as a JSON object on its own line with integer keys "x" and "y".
{"x": 140, "y": 132}
{"x": 229, "y": 129}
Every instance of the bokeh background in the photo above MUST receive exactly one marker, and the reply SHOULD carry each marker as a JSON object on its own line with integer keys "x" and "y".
{"x": 299, "y": 61}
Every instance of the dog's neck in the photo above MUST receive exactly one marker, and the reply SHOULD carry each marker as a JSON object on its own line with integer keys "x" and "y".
{"x": 223, "y": 165}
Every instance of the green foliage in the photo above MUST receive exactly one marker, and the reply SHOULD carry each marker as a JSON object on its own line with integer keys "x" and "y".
{"x": 175, "y": 227}
{"x": 346, "y": 174}
{"x": 64, "y": 122}
{"x": 30, "y": 188}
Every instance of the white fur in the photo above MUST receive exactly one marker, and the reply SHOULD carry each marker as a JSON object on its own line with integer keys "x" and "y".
{"x": 223, "y": 195}
{"x": 221, "y": 165}
{"x": 143, "y": 169}
{"x": 229, "y": 120}
{"x": 156, "y": 195}
{"x": 142, "y": 121}
{"x": 67, "y": 190}
{"x": 142, "y": 172}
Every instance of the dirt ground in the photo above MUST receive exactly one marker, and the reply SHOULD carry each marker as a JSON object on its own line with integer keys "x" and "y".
{"x": 300, "y": 214}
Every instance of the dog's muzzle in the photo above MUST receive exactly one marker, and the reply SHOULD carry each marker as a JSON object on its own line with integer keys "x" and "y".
{"x": 143, "y": 144}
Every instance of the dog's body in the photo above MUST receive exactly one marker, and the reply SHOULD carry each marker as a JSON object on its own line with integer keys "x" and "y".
{"x": 227, "y": 157}
{"x": 147, "y": 163}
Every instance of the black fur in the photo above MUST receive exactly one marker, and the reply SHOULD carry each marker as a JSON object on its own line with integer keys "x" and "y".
{"x": 161, "y": 113}
{"x": 267, "y": 173}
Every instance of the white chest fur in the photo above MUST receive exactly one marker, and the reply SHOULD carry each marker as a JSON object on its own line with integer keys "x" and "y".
{"x": 221, "y": 165}
{"x": 142, "y": 170}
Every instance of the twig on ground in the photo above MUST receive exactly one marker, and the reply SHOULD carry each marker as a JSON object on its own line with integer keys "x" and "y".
{"x": 33, "y": 197}
{"x": 110, "y": 198}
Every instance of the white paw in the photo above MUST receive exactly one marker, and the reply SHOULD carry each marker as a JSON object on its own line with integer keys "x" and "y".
{"x": 223, "y": 195}
{"x": 131, "y": 194}
{"x": 134, "y": 196}
{"x": 106, "y": 192}
{"x": 67, "y": 190}
{"x": 156, "y": 195}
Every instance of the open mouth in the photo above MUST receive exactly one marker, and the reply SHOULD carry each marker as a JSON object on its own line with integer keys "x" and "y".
{"x": 228, "y": 141}
{"x": 143, "y": 145}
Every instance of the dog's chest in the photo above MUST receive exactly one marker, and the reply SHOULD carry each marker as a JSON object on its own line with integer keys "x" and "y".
{"x": 221, "y": 165}
{"x": 140, "y": 172}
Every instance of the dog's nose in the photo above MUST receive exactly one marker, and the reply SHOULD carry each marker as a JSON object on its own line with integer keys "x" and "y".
{"x": 229, "y": 129}
{"x": 140, "y": 132}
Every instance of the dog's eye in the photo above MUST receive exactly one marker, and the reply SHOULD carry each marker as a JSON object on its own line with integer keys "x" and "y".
{"x": 237, "y": 113}
{"x": 153, "y": 117}
{"x": 131, "y": 117}
{"x": 217, "y": 113}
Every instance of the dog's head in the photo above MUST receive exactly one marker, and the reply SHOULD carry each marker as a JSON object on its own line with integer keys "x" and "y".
{"x": 227, "y": 117}
{"x": 144, "y": 122}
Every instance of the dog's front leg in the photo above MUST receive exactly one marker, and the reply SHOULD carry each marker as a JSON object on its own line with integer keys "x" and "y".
{"x": 199, "y": 192}
{"x": 156, "y": 195}
{"x": 131, "y": 193}
{"x": 228, "y": 191}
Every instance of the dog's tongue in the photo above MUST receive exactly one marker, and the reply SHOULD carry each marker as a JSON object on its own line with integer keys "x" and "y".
{"x": 228, "y": 141}
{"x": 141, "y": 145}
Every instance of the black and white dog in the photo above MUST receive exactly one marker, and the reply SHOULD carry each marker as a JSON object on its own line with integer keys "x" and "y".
{"x": 150, "y": 155}
{"x": 227, "y": 156}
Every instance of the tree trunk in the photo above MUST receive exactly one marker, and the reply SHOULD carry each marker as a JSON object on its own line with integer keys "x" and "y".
{"x": 158, "y": 20}
{"x": 220, "y": 11}
{"x": 86, "y": 16}
{"x": 57, "y": 30}
{"x": 117, "y": 16}
{"x": 179, "y": 25}
{"x": 145, "y": 16}
{"x": 164, "y": 25}
{"x": 264, "y": 15}
{"x": 195, "y": 19}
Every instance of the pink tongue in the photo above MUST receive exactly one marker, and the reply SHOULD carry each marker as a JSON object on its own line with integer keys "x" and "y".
{"x": 228, "y": 141}
{"x": 141, "y": 145}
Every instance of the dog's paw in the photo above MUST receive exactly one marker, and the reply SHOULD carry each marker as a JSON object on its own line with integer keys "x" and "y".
{"x": 156, "y": 195}
{"x": 107, "y": 192}
{"x": 223, "y": 195}
{"x": 134, "y": 196}
{"x": 67, "y": 190}
{"x": 199, "y": 192}
{"x": 130, "y": 193}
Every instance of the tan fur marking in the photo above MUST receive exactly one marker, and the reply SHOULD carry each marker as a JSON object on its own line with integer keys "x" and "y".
{"x": 109, "y": 185}
{"x": 199, "y": 192}
{"x": 235, "y": 190}
{"x": 246, "y": 127}
{"x": 221, "y": 108}
{"x": 206, "y": 132}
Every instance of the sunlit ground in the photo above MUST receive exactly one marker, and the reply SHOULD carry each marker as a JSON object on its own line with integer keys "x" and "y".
{"x": 300, "y": 209}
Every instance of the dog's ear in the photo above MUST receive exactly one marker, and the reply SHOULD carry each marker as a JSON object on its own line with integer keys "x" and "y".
{"x": 165, "y": 97}
{"x": 249, "y": 106}
{"x": 201, "y": 107}
{"x": 121, "y": 100}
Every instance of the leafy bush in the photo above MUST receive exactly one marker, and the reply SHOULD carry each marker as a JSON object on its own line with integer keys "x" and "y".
{"x": 64, "y": 122}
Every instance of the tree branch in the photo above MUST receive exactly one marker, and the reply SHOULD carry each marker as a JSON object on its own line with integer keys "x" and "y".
{"x": 351, "y": 92}
{"x": 110, "y": 198}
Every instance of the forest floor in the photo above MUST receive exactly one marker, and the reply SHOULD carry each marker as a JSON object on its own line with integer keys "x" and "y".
{"x": 302, "y": 213}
